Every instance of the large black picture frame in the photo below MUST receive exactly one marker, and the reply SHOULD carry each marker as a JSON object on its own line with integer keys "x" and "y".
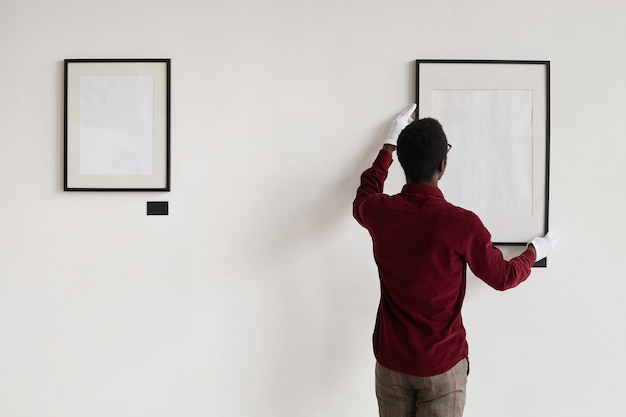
{"x": 458, "y": 92}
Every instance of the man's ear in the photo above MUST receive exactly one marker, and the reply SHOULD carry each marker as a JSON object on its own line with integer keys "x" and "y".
{"x": 442, "y": 167}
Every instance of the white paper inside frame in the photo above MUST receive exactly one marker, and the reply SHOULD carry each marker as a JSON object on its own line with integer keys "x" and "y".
{"x": 117, "y": 125}
{"x": 491, "y": 132}
{"x": 494, "y": 115}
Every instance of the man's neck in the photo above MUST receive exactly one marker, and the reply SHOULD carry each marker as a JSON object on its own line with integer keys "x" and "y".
{"x": 434, "y": 181}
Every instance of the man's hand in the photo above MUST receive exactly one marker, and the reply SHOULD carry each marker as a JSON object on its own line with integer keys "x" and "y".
{"x": 544, "y": 246}
{"x": 399, "y": 123}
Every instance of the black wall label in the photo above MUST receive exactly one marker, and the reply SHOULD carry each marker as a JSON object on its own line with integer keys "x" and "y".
{"x": 158, "y": 208}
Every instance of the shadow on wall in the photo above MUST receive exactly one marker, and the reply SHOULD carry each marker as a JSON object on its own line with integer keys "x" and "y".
{"x": 311, "y": 221}
{"x": 323, "y": 300}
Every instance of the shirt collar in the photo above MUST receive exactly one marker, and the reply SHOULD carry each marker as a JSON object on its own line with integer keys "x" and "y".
{"x": 424, "y": 189}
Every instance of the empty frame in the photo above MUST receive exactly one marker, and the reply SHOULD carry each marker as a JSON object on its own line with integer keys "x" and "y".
{"x": 496, "y": 115}
{"x": 117, "y": 125}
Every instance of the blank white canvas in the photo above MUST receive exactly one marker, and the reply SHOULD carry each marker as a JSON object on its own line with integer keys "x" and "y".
{"x": 490, "y": 165}
{"x": 117, "y": 125}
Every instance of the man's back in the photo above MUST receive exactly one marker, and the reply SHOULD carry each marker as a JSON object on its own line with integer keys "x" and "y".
{"x": 422, "y": 245}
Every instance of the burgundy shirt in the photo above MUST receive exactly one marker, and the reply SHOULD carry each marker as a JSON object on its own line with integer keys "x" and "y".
{"x": 422, "y": 245}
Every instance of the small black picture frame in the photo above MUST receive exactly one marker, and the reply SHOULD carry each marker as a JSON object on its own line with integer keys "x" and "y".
{"x": 117, "y": 125}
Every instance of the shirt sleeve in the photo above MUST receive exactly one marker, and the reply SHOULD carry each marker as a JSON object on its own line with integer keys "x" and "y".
{"x": 488, "y": 264}
{"x": 372, "y": 182}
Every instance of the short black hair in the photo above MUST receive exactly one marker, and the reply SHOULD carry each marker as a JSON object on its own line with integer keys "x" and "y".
{"x": 422, "y": 145}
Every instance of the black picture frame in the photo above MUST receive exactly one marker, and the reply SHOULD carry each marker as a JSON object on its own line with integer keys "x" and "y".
{"x": 117, "y": 125}
{"x": 437, "y": 77}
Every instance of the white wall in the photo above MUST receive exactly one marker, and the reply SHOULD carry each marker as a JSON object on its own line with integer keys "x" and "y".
{"x": 256, "y": 296}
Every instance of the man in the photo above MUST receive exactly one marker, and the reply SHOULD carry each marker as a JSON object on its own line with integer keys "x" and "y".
{"x": 422, "y": 245}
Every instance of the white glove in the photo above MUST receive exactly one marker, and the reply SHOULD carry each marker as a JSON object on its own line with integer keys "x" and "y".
{"x": 544, "y": 246}
{"x": 399, "y": 123}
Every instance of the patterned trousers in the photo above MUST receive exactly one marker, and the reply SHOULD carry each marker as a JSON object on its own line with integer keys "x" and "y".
{"x": 401, "y": 395}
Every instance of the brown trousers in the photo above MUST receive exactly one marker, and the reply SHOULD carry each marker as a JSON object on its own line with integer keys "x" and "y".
{"x": 401, "y": 395}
